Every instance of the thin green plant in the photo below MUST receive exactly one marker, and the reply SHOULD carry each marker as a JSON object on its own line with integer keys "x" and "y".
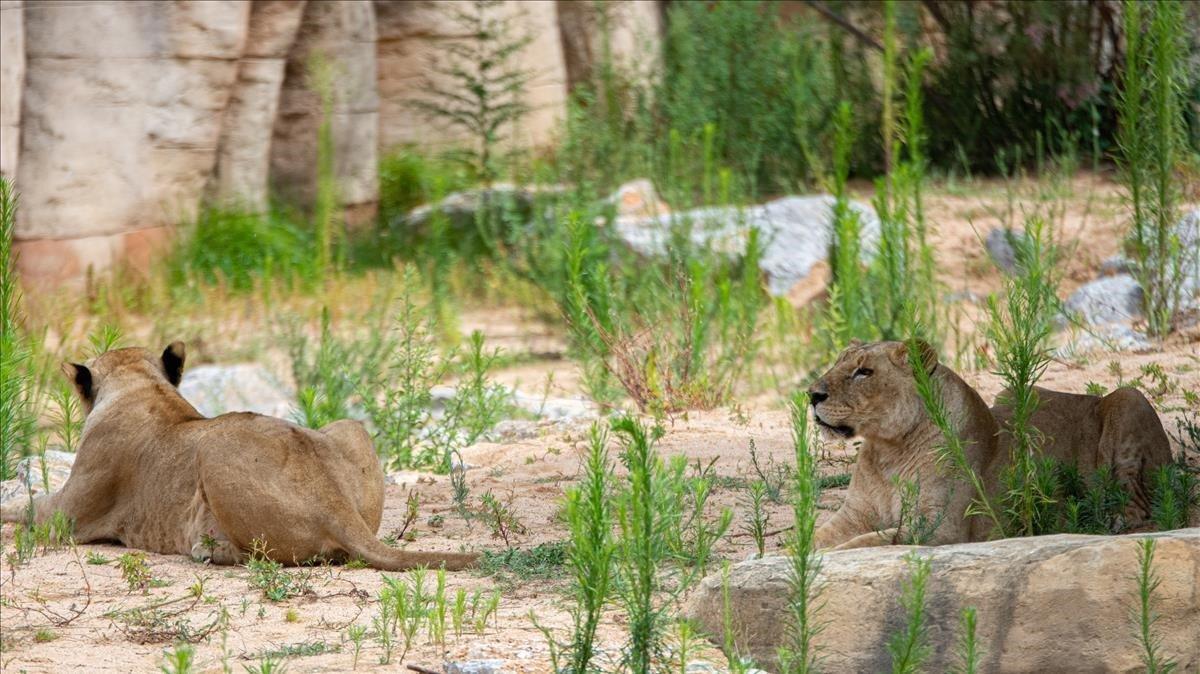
{"x": 1146, "y": 615}
{"x": 910, "y": 647}
{"x": 800, "y": 654}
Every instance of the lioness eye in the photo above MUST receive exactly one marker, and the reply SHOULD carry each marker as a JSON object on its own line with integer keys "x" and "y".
{"x": 863, "y": 372}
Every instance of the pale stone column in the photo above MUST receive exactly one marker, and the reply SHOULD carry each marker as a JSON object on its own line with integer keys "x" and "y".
{"x": 120, "y": 119}
{"x": 12, "y": 81}
{"x": 634, "y": 36}
{"x": 342, "y": 33}
{"x": 410, "y": 37}
{"x": 244, "y": 157}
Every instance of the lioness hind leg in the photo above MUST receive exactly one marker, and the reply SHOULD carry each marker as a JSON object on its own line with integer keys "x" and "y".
{"x": 358, "y": 451}
{"x": 207, "y": 542}
{"x": 1135, "y": 445}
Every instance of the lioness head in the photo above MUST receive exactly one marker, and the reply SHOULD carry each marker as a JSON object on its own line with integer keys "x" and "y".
{"x": 111, "y": 369}
{"x": 870, "y": 391}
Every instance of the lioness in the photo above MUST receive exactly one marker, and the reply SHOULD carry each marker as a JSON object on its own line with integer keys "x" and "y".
{"x": 870, "y": 392}
{"x": 153, "y": 473}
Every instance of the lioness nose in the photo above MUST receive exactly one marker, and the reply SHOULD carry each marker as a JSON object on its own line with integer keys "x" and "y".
{"x": 817, "y": 394}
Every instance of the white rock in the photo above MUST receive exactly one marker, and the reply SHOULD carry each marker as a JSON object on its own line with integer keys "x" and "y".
{"x": 1112, "y": 299}
{"x": 32, "y": 474}
{"x": 999, "y": 244}
{"x": 244, "y": 387}
{"x": 476, "y": 667}
{"x": 795, "y": 233}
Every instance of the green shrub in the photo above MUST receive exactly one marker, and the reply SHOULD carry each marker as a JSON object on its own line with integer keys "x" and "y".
{"x": 799, "y": 654}
{"x": 675, "y": 334}
{"x": 1146, "y": 615}
{"x": 642, "y": 544}
{"x": 240, "y": 249}
{"x": 910, "y": 647}
{"x": 591, "y": 555}
{"x": 1175, "y": 492}
{"x": 1151, "y": 147}
{"x": 330, "y": 377}
{"x": 18, "y": 411}
{"x": 1020, "y": 326}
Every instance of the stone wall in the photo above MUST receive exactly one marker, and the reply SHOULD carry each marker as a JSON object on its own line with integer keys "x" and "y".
{"x": 117, "y": 120}
{"x": 410, "y": 37}
{"x": 12, "y": 80}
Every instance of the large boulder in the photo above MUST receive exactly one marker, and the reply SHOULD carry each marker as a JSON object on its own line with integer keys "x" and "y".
{"x": 1045, "y": 604}
{"x": 244, "y": 387}
{"x": 796, "y": 233}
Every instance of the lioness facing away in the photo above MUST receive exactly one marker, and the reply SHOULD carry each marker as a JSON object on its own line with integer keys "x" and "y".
{"x": 153, "y": 473}
{"x": 870, "y": 392}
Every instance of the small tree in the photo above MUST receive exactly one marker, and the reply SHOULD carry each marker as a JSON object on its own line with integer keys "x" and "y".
{"x": 480, "y": 86}
{"x": 1150, "y": 140}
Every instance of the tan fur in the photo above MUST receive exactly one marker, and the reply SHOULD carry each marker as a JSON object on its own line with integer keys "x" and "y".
{"x": 1120, "y": 430}
{"x": 152, "y": 473}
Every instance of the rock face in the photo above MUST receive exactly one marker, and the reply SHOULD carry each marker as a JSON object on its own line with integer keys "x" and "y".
{"x": 410, "y": 38}
{"x": 33, "y": 473}
{"x": 1046, "y": 604}
{"x": 247, "y": 387}
{"x": 12, "y": 81}
{"x": 633, "y": 28}
{"x": 795, "y": 232}
{"x": 121, "y": 115}
{"x": 118, "y": 119}
{"x": 339, "y": 36}
{"x": 244, "y": 157}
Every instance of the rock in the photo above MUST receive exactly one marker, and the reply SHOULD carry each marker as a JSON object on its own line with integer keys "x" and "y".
{"x": 1000, "y": 246}
{"x": 638, "y": 199}
{"x": 413, "y": 34}
{"x": 540, "y": 406}
{"x": 555, "y": 408}
{"x": 244, "y": 153}
{"x": 246, "y": 387}
{"x": 1110, "y": 337}
{"x": 12, "y": 81}
{"x": 1050, "y": 603}
{"x": 1117, "y": 264}
{"x": 32, "y": 474}
{"x": 1112, "y": 299}
{"x": 476, "y": 667}
{"x": 460, "y": 208}
{"x": 795, "y": 232}
{"x": 633, "y": 35}
{"x": 121, "y": 115}
{"x": 1188, "y": 231}
{"x": 343, "y": 34}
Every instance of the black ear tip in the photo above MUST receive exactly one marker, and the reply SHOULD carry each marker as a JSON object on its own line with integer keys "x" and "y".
{"x": 81, "y": 376}
{"x": 172, "y": 359}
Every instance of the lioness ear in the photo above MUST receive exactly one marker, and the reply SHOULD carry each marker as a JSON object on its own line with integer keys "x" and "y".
{"x": 929, "y": 356}
{"x": 926, "y": 352}
{"x": 81, "y": 379}
{"x": 855, "y": 342}
{"x": 172, "y": 358}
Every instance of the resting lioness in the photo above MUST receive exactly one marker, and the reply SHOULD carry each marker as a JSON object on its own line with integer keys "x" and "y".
{"x": 870, "y": 392}
{"x": 153, "y": 473}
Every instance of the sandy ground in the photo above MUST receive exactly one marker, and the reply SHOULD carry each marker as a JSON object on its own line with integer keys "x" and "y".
{"x": 60, "y": 613}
